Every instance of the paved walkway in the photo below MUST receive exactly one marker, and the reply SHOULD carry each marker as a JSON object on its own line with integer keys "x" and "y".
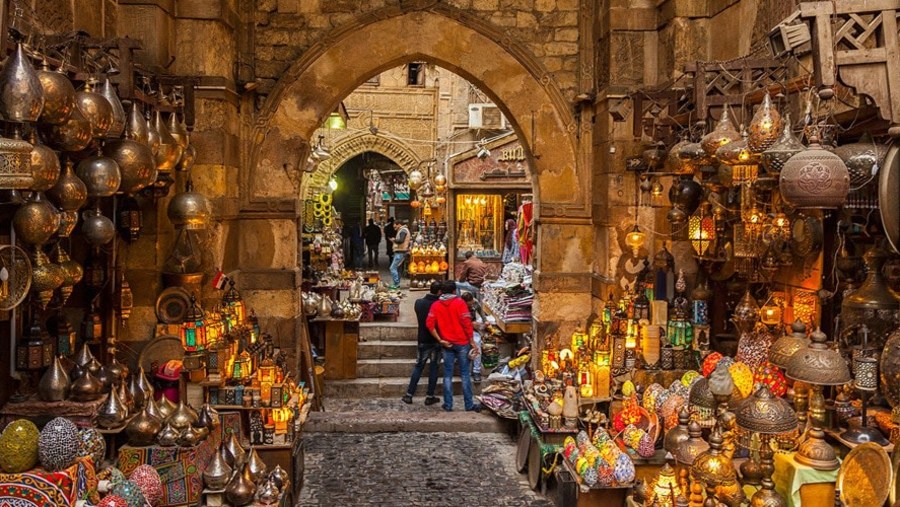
{"x": 414, "y": 469}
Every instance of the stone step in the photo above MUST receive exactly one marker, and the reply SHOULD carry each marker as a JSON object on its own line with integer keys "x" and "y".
{"x": 391, "y": 367}
{"x": 380, "y": 415}
{"x": 383, "y": 387}
{"x": 385, "y": 349}
{"x": 390, "y": 331}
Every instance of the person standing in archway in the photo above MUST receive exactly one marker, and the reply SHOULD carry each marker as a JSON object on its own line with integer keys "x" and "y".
{"x": 450, "y": 322}
{"x": 389, "y": 234}
{"x": 401, "y": 247}
{"x": 373, "y": 239}
{"x": 428, "y": 349}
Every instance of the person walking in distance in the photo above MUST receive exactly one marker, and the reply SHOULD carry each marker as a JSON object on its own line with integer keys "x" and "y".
{"x": 428, "y": 349}
{"x": 389, "y": 234}
{"x": 401, "y": 247}
{"x": 450, "y": 323}
{"x": 373, "y": 239}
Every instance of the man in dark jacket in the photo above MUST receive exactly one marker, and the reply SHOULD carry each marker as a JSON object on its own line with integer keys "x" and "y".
{"x": 428, "y": 349}
{"x": 450, "y": 323}
{"x": 373, "y": 238}
{"x": 389, "y": 234}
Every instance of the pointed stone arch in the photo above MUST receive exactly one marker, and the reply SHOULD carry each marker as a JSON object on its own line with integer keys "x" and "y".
{"x": 347, "y": 147}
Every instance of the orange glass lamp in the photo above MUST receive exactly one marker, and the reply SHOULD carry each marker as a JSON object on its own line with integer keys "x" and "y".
{"x": 702, "y": 231}
{"x": 635, "y": 239}
{"x": 193, "y": 330}
{"x": 771, "y": 314}
{"x": 282, "y": 417}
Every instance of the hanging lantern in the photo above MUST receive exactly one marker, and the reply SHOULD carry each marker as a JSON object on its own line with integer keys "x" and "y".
{"x": 635, "y": 239}
{"x": 774, "y": 158}
{"x": 765, "y": 127}
{"x": 36, "y": 350}
{"x": 96, "y": 109}
{"x": 815, "y": 178}
{"x": 130, "y": 221}
{"x": 232, "y": 299}
{"x": 193, "y": 330}
{"x": 92, "y": 326}
{"x": 65, "y": 336}
{"x": 242, "y": 367}
{"x": 702, "y": 230}
{"x": 723, "y": 133}
{"x": 21, "y": 93}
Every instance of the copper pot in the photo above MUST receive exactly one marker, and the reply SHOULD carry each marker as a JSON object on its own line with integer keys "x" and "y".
{"x": 69, "y": 193}
{"x": 73, "y": 134}
{"x": 100, "y": 175}
{"x": 45, "y": 167}
{"x": 136, "y": 163}
{"x": 59, "y": 96}
{"x": 96, "y": 109}
{"x": 35, "y": 221}
{"x": 21, "y": 94}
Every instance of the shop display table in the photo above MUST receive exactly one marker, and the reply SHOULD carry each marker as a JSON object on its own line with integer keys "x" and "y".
{"x": 180, "y": 468}
{"x": 508, "y": 327}
{"x": 338, "y": 341}
{"x": 800, "y": 485}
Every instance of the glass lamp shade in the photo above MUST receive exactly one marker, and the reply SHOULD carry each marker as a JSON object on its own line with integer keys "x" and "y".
{"x": 770, "y": 314}
{"x": 702, "y": 232}
{"x": 666, "y": 487}
{"x": 635, "y": 239}
{"x": 335, "y": 121}
{"x": 266, "y": 371}
{"x": 242, "y": 367}
{"x": 193, "y": 329}
{"x": 702, "y": 404}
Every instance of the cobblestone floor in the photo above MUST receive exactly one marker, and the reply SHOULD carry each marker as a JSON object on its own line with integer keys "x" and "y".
{"x": 414, "y": 469}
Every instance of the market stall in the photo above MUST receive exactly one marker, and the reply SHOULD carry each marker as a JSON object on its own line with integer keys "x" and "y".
{"x": 490, "y": 199}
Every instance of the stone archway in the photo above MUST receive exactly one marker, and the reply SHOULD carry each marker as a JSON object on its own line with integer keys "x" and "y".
{"x": 559, "y": 147}
{"x": 349, "y": 146}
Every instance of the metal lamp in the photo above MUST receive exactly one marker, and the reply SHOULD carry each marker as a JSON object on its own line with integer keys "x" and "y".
{"x": 865, "y": 380}
{"x": 771, "y": 420}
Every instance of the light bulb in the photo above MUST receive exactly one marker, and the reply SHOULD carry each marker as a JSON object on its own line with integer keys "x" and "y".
{"x": 332, "y": 184}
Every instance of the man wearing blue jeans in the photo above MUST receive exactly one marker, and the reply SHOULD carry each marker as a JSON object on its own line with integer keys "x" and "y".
{"x": 428, "y": 349}
{"x": 450, "y": 323}
{"x": 401, "y": 247}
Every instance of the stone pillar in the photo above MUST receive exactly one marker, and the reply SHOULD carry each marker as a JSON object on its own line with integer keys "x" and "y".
{"x": 153, "y": 23}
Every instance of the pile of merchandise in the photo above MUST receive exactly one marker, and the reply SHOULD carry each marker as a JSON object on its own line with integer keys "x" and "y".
{"x": 510, "y": 297}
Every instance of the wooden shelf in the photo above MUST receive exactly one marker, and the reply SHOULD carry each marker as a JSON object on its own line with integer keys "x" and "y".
{"x": 439, "y": 273}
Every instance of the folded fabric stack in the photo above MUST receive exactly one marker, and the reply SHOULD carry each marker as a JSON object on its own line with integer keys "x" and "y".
{"x": 510, "y": 297}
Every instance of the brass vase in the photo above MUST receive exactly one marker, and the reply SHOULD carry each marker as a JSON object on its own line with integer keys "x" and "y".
{"x": 54, "y": 384}
{"x": 256, "y": 466}
{"x": 59, "y": 96}
{"x": 112, "y": 412}
{"x": 21, "y": 93}
{"x": 217, "y": 472}
{"x": 240, "y": 490}
{"x": 142, "y": 429}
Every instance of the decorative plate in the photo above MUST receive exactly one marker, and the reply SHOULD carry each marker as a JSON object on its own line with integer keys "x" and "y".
{"x": 888, "y": 183}
{"x": 172, "y": 305}
{"x": 865, "y": 476}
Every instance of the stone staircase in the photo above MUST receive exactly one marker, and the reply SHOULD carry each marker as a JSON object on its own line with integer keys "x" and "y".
{"x": 371, "y": 402}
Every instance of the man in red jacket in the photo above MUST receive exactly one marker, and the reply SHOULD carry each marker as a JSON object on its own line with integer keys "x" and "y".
{"x": 450, "y": 322}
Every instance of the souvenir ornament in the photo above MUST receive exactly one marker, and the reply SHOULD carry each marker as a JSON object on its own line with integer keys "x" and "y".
{"x": 92, "y": 445}
{"x": 58, "y": 444}
{"x": 130, "y": 492}
{"x": 147, "y": 479}
{"x": 112, "y": 501}
{"x": 19, "y": 447}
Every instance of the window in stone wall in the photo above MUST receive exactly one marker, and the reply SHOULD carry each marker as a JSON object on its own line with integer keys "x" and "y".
{"x": 415, "y": 74}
